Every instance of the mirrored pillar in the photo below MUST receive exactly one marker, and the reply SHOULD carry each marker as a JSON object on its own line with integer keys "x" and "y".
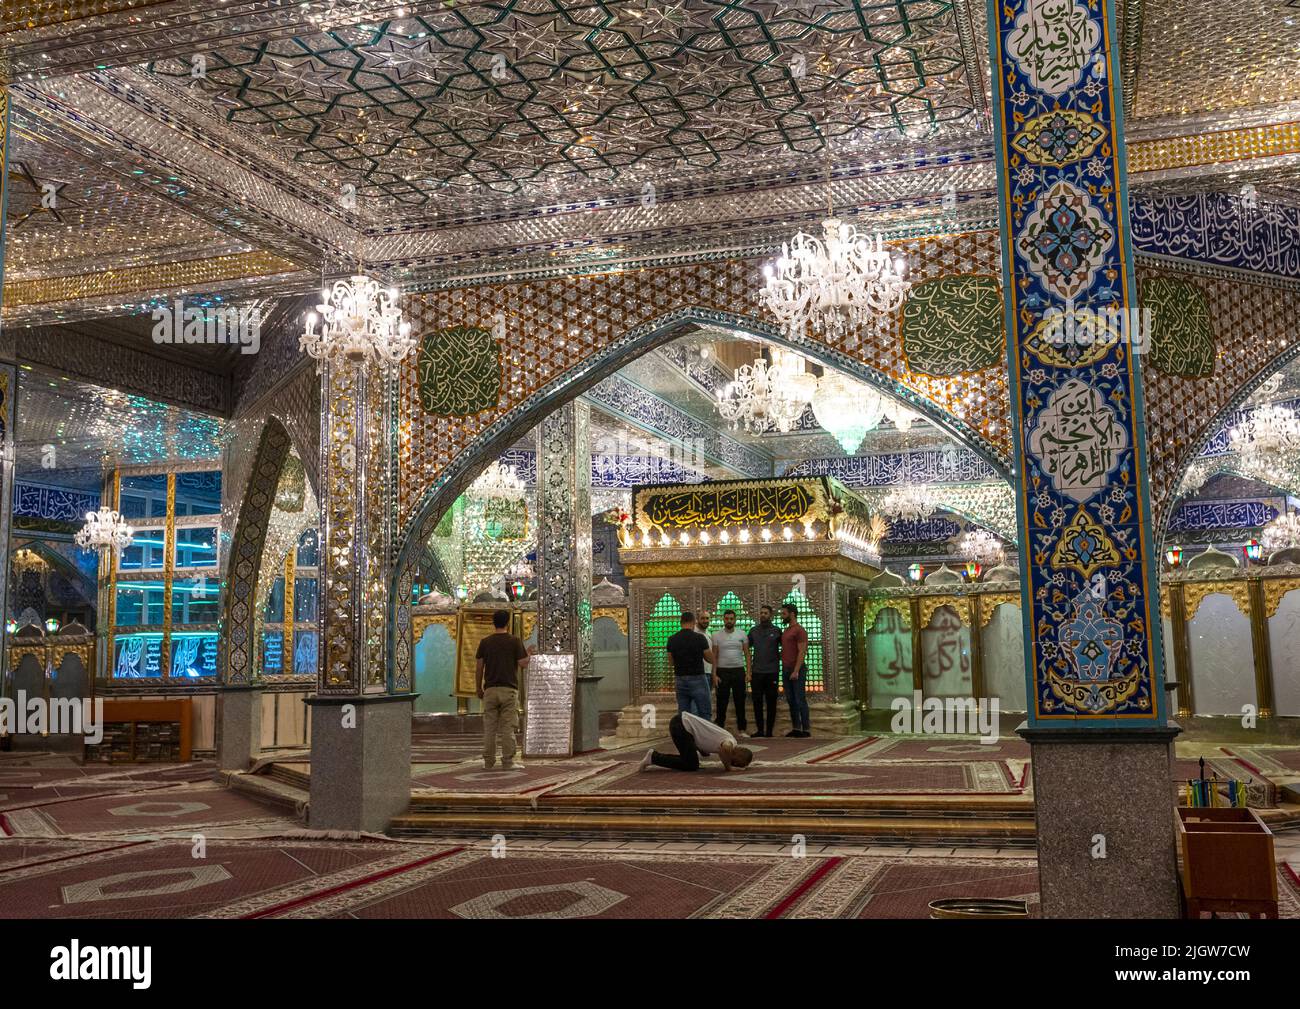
{"x": 361, "y": 731}
{"x": 8, "y": 388}
{"x": 564, "y": 554}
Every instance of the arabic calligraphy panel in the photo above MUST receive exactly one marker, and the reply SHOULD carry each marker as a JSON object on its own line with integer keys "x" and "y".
{"x": 1182, "y": 339}
{"x": 954, "y": 325}
{"x": 459, "y": 371}
{"x": 1052, "y": 42}
{"x": 731, "y": 504}
{"x": 1003, "y": 644}
{"x": 1078, "y": 440}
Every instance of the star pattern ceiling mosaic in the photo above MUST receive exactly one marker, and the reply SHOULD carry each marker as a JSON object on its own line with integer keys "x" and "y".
{"x": 546, "y": 95}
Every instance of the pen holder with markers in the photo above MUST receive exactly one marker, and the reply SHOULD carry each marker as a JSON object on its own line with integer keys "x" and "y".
{"x": 1216, "y": 792}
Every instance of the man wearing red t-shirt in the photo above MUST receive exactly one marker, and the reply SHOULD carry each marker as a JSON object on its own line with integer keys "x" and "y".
{"x": 794, "y": 672}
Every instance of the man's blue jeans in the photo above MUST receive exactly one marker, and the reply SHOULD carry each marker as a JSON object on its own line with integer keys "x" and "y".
{"x": 798, "y": 700}
{"x": 694, "y": 695}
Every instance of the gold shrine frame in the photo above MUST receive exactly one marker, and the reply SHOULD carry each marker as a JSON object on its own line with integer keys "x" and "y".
{"x": 470, "y": 627}
{"x": 730, "y": 503}
{"x": 475, "y": 625}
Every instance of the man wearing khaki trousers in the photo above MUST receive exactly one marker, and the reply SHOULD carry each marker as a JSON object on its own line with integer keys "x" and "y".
{"x": 496, "y": 671}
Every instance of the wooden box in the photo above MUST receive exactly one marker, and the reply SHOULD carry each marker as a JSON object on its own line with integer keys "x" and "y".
{"x": 1227, "y": 861}
{"x": 140, "y": 731}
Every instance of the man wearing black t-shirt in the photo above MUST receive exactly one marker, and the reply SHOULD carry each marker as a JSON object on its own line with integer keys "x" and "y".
{"x": 496, "y": 670}
{"x": 688, "y": 650}
{"x": 763, "y": 643}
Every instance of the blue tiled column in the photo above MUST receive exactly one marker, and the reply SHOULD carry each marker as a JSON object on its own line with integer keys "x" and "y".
{"x": 1088, "y": 571}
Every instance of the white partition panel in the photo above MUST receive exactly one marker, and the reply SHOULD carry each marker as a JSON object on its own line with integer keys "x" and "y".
{"x": 1003, "y": 642}
{"x": 1284, "y": 643}
{"x": 435, "y": 670}
{"x": 945, "y": 655}
{"x": 1171, "y": 671}
{"x": 609, "y": 660}
{"x": 889, "y": 659}
{"x": 1221, "y": 657}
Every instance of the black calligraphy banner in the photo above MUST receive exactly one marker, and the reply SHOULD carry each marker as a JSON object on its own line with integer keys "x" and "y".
{"x": 740, "y": 503}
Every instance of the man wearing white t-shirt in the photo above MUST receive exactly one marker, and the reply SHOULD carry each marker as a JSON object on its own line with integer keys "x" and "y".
{"x": 694, "y": 736}
{"x": 730, "y": 668}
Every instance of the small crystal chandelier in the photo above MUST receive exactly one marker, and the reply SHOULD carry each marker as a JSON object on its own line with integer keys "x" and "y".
{"x": 833, "y": 284}
{"x": 981, "y": 547}
{"x": 1269, "y": 429}
{"x": 359, "y": 322}
{"x": 900, "y": 416}
{"x": 104, "y": 530}
{"x": 911, "y": 502}
{"x": 1283, "y": 533}
{"x": 847, "y": 409}
{"x": 765, "y": 397}
{"x": 498, "y": 482}
{"x": 25, "y": 560}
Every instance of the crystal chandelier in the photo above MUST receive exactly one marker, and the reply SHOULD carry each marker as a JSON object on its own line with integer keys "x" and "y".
{"x": 847, "y": 409}
{"x": 359, "y": 322}
{"x": 764, "y": 397}
{"x": 833, "y": 284}
{"x": 1283, "y": 533}
{"x": 909, "y": 503}
{"x": 499, "y": 482}
{"x": 980, "y": 546}
{"x": 25, "y": 560}
{"x": 900, "y": 416}
{"x": 1269, "y": 429}
{"x": 104, "y": 530}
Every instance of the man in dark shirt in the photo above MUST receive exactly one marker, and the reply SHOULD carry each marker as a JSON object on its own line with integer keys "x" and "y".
{"x": 794, "y": 671}
{"x": 688, "y": 650}
{"x": 497, "y": 663}
{"x": 763, "y": 650}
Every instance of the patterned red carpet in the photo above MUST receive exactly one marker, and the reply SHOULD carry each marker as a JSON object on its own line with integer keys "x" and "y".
{"x": 914, "y": 777}
{"x": 527, "y": 779}
{"x": 298, "y": 878}
{"x": 52, "y": 797}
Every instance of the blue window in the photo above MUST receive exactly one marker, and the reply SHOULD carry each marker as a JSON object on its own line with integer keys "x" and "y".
{"x": 309, "y": 549}
{"x": 198, "y": 493}
{"x": 196, "y": 547}
{"x": 304, "y": 600}
{"x": 194, "y": 601}
{"x": 144, "y": 497}
{"x": 147, "y": 552}
{"x": 139, "y": 604}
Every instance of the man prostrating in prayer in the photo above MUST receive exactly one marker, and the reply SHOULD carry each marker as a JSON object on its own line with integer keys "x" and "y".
{"x": 694, "y": 736}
